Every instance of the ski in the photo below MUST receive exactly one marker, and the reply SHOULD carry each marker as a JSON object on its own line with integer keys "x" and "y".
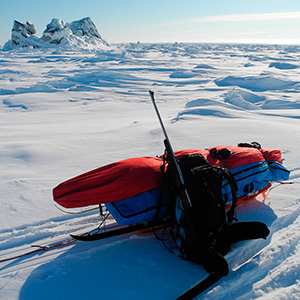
{"x": 202, "y": 286}
{"x": 88, "y": 237}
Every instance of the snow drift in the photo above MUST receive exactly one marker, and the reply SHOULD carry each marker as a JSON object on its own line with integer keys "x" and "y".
{"x": 65, "y": 112}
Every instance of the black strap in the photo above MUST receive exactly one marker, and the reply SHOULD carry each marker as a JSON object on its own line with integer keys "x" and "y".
{"x": 162, "y": 190}
{"x": 221, "y": 154}
{"x": 233, "y": 186}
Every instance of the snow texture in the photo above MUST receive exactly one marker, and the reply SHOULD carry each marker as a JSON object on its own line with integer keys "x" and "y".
{"x": 65, "y": 111}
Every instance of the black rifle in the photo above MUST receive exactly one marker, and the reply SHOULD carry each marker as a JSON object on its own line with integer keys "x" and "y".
{"x": 185, "y": 201}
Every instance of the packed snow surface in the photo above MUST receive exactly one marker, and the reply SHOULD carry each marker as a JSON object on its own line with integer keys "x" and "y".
{"x": 65, "y": 112}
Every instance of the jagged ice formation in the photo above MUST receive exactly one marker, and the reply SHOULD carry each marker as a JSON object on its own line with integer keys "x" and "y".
{"x": 81, "y": 33}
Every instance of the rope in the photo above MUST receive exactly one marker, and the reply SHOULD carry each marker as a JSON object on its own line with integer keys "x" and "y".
{"x": 75, "y": 213}
{"x": 48, "y": 247}
{"x": 41, "y": 248}
{"x": 266, "y": 194}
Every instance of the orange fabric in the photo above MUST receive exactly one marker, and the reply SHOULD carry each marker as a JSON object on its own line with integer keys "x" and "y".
{"x": 130, "y": 177}
{"x": 251, "y": 197}
{"x": 239, "y": 156}
{"x": 116, "y": 181}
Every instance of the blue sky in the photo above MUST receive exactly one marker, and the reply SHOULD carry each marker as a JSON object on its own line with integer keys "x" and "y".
{"x": 254, "y": 21}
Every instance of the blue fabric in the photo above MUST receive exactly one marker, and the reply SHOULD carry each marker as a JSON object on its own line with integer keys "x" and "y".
{"x": 139, "y": 208}
{"x": 277, "y": 171}
{"x": 250, "y": 178}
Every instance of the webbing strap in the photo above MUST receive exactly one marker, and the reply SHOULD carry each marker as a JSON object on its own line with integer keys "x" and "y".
{"x": 233, "y": 186}
{"x": 161, "y": 194}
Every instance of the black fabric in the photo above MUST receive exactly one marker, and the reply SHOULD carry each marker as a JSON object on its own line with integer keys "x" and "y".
{"x": 203, "y": 182}
{"x": 208, "y": 235}
{"x": 250, "y": 145}
{"x": 237, "y": 232}
{"x": 221, "y": 154}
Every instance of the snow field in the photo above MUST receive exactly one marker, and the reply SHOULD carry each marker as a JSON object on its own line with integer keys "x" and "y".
{"x": 64, "y": 112}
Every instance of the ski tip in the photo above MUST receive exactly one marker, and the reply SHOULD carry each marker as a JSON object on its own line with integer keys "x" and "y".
{"x": 77, "y": 237}
{"x": 151, "y": 93}
{"x": 84, "y": 238}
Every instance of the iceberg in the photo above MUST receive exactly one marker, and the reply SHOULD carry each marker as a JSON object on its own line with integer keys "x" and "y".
{"x": 81, "y": 33}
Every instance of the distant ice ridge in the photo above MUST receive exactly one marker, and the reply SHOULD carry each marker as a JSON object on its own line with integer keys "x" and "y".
{"x": 82, "y": 33}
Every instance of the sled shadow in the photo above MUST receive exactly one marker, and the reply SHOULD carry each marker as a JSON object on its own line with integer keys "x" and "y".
{"x": 133, "y": 267}
{"x": 138, "y": 267}
{"x": 256, "y": 210}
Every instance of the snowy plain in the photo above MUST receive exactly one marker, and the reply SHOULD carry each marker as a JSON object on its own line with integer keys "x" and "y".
{"x": 64, "y": 112}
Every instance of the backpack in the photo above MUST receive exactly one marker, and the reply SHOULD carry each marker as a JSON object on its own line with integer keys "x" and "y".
{"x": 206, "y": 232}
{"x": 198, "y": 237}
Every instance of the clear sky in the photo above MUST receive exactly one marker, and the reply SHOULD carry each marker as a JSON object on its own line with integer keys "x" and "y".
{"x": 256, "y": 21}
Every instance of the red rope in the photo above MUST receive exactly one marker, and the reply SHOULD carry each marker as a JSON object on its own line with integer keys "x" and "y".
{"x": 40, "y": 248}
{"x": 45, "y": 248}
